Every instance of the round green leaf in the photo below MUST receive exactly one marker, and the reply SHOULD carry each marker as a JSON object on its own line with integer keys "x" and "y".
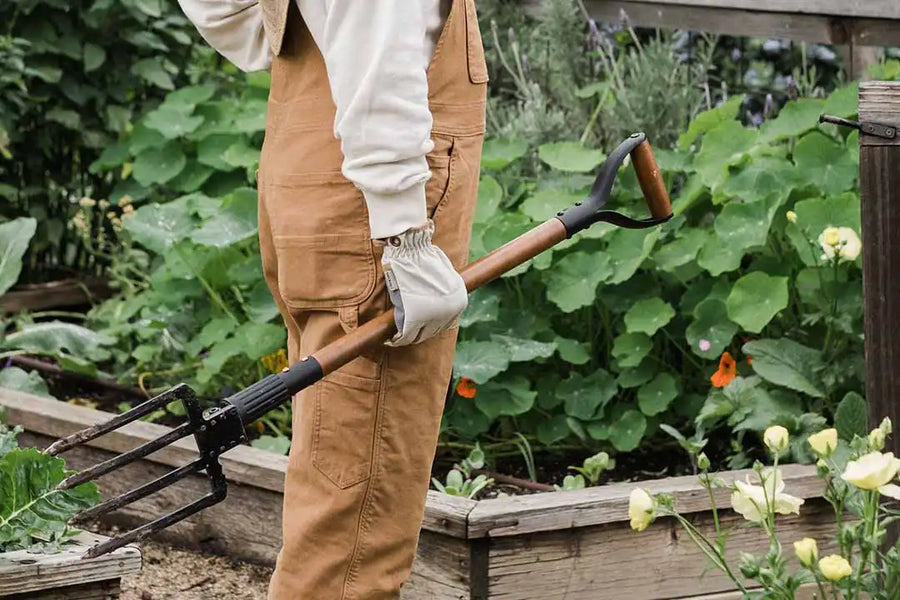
{"x": 553, "y": 430}
{"x": 573, "y": 280}
{"x": 159, "y": 165}
{"x": 648, "y": 316}
{"x": 825, "y": 163}
{"x": 797, "y": 117}
{"x": 498, "y": 153}
{"x": 480, "y": 361}
{"x": 570, "y": 157}
{"x": 633, "y": 377}
{"x": 510, "y": 397}
{"x": 546, "y": 202}
{"x": 490, "y": 194}
{"x": 723, "y": 146}
{"x": 710, "y": 325}
{"x": 172, "y": 122}
{"x": 656, "y": 396}
{"x": 629, "y": 349}
{"x": 626, "y": 434}
{"x": 586, "y": 397}
{"x": 755, "y": 299}
{"x": 159, "y": 226}
{"x": 572, "y": 351}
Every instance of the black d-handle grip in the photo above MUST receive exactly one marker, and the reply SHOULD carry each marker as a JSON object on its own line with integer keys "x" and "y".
{"x": 590, "y": 211}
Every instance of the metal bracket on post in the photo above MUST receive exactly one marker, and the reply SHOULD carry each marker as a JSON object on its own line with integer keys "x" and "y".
{"x": 887, "y": 132}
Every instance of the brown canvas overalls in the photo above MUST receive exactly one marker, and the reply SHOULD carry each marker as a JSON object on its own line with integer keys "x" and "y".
{"x": 363, "y": 438}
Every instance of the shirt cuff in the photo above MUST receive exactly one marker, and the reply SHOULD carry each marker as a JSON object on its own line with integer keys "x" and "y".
{"x": 392, "y": 214}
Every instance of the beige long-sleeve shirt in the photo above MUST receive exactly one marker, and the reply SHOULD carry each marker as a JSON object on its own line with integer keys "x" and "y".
{"x": 376, "y": 55}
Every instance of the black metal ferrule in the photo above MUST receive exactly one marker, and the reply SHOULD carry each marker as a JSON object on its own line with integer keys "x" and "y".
{"x": 301, "y": 375}
{"x": 589, "y": 211}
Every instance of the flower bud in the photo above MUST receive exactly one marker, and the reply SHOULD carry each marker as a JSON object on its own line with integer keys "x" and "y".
{"x": 791, "y": 216}
{"x": 824, "y": 443}
{"x": 876, "y": 439}
{"x": 807, "y": 552}
{"x": 641, "y": 509}
{"x": 703, "y": 461}
{"x": 835, "y": 567}
{"x": 776, "y": 439}
{"x": 886, "y": 426}
{"x": 822, "y": 469}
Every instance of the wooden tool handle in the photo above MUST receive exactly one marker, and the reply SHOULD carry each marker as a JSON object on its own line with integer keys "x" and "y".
{"x": 651, "y": 181}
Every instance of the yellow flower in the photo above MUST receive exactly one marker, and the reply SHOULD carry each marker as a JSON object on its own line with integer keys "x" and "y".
{"x": 872, "y": 471}
{"x": 824, "y": 443}
{"x": 807, "y": 552}
{"x": 750, "y": 500}
{"x": 835, "y": 567}
{"x": 87, "y": 202}
{"x": 791, "y": 216}
{"x": 842, "y": 242}
{"x": 876, "y": 439}
{"x": 776, "y": 438}
{"x": 830, "y": 237}
{"x": 641, "y": 509}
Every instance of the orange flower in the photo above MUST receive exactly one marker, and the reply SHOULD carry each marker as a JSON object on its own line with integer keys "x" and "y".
{"x": 466, "y": 388}
{"x": 727, "y": 371}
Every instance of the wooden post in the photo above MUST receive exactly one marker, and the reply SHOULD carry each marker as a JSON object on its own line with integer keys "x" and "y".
{"x": 879, "y": 182}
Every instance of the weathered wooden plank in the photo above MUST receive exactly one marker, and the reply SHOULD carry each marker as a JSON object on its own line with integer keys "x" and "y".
{"x": 242, "y": 465}
{"x": 100, "y": 590}
{"x": 515, "y": 515}
{"x": 807, "y": 592}
{"x": 441, "y": 569}
{"x": 612, "y": 561}
{"x": 54, "y": 294}
{"x": 22, "y": 572}
{"x": 879, "y": 102}
{"x": 876, "y": 9}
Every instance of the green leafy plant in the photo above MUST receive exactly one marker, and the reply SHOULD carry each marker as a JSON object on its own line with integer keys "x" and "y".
{"x": 459, "y": 480}
{"x": 588, "y": 473}
{"x": 33, "y": 514}
{"x": 856, "y": 475}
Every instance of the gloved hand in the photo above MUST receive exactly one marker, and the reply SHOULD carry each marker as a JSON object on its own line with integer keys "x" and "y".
{"x": 426, "y": 291}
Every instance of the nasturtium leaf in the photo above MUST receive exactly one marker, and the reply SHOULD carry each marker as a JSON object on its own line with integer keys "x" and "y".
{"x": 552, "y": 430}
{"x": 796, "y": 118}
{"x": 744, "y": 226}
{"x": 816, "y": 214}
{"x": 190, "y": 96}
{"x": 152, "y": 71}
{"x": 627, "y": 250}
{"x": 279, "y": 444}
{"x": 570, "y": 157}
{"x": 572, "y": 351}
{"x": 94, "y": 57}
{"x": 142, "y": 138}
{"x": 547, "y": 201}
{"x": 787, "y": 363}
{"x": 632, "y": 377}
{"x": 762, "y": 178}
{"x": 629, "y": 349}
{"x": 241, "y": 154}
{"x": 159, "y": 165}
{"x": 573, "y": 280}
{"x": 191, "y": 178}
{"x": 480, "y": 361}
{"x": 14, "y": 378}
{"x": 509, "y": 397}
{"x": 250, "y": 117}
{"x": 159, "y": 226}
{"x": 656, "y": 396}
{"x": 843, "y": 102}
{"x": 14, "y": 238}
{"x": 710, "y": 119}
{"x": 586, "y": 397}
{"x": 710, "y": 329}
{"x": 33, "y": 513}
{"x": 484, "y": 305}
{"x": 522, "y": 349}
{"x": 681, "y": 250}
{"x": 68, "y": 118}
{"x": 825, "y": 163}
{"x": 211, "y": 150}
{"x": 851, "y": 416}
{"x": 722, "y": 147}
{"x": 648, "y": 316}
{"x": 497, "y": 153}
{"x": 490, "y": 194}
{"x": 673, "y": 161}
{"x": 717, "y": 257}
{"x": 465, "y": 420}
{"x": 172, "y": 122}
{"x": 626, "y": 433}
{"x": 113, "y": 156}
{"x": 755, "y": 299}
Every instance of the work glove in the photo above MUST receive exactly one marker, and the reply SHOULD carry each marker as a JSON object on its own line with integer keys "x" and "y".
{"x": 426, "y": 291}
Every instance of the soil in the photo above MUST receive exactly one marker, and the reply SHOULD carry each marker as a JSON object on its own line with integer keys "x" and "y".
{"x": 172, "y": 574}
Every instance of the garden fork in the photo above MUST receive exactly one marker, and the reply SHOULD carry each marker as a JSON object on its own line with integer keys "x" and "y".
{"x": 218, "y": 429}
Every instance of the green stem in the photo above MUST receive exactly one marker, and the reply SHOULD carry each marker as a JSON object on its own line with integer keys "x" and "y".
{"x": 711, "y": 552}
{"x": 715, "y": 510}
{"x": 213, "y": 295}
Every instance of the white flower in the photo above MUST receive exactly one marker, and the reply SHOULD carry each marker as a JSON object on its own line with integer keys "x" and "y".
{"x": 776, "y": 439}
{"x": 873, "y": 471}
{"x": 641, "y": 509}
{"x": 750, "y": 500}
{"x": 824, "y": 443}
{"x": 842, "y": 242}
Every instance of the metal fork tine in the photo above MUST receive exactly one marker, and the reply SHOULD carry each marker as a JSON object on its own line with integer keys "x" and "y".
{"x": 85, "y": 435}
{"x": 138, "y": 534}
{"x": 123, "y": 459}
{"x": 142, "y": 491}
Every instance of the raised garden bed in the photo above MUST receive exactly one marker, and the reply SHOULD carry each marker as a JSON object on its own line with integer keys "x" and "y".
{"x": 53, "y": 294}
{"x": 572, "y": 545}
{"x": 65, "y": 575}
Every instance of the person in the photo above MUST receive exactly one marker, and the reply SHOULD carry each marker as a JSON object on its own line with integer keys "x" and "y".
{"x": 367, "y": 185}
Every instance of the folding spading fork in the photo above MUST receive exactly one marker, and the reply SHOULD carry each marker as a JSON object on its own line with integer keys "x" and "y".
{"x": 218, "y": 429}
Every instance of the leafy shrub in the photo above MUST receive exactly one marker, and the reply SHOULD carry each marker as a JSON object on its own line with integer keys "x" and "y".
{"x": 33, "y": 514}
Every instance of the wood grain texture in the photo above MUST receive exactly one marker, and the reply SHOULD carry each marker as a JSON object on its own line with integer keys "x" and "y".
{"x": 877, "y": 9}
{"x": 612, "y": 561}
{"x": 54, "y": 294}
{"x": 516, "y": 515}
{"x": 879, "y": 178}
{"x": 22, "y": 572}
{"x": 99, "y": 590}
{"x": 807, "y": 592}
{"x": 245, "y": 466}
{"x": 743, "y": 20}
